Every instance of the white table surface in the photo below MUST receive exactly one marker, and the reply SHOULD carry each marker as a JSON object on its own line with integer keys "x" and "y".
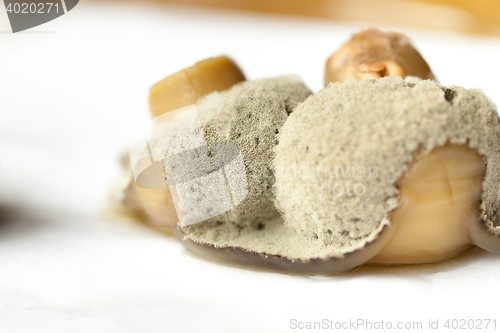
{"x": 71, "y": 88}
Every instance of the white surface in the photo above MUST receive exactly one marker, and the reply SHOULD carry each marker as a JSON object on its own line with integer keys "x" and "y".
{"x": 72, "y": 87}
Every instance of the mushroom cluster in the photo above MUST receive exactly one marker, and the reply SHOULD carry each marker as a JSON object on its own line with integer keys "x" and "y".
{"x": 384, "y": 165}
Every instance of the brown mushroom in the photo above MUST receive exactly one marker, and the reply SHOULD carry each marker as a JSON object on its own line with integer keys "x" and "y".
{"x": 372, "y": 54}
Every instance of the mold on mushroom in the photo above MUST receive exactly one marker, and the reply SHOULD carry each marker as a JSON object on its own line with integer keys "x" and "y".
{"x": 372, "y": 54}
{"x": 388, "y": 171}
{"x": 155, "y": 206}
{"x": 431, "y": 194}
{"x": 415, "y": 137}
{"x": 188, "y": 85}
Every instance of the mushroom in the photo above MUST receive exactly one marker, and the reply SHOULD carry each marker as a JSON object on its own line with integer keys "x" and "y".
{"x": 372, "y": 54}
{"x": 188, "y": 85}
{"x": 385, "y": 170}
{"x": 155, "y": 205}
{"x": 391, "y": 168}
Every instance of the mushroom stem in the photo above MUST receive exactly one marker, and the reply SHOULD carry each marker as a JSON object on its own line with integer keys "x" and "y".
{"x": 438, "y": 205}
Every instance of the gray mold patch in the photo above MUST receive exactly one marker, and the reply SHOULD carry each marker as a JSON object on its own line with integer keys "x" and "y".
{"x": 380, "y": 123}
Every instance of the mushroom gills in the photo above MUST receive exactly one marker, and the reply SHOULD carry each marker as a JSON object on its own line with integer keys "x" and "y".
{"x": 439, "y": 199}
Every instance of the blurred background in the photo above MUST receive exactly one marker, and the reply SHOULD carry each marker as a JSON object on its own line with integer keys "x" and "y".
{"x": 72, "y": 89}
{"x": 478, "y": 17}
